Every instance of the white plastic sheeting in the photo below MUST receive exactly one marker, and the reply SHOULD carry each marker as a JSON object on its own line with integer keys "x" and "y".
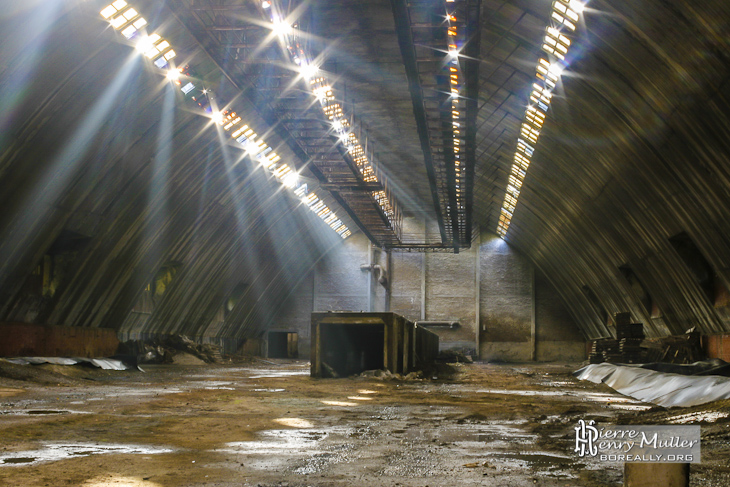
{"x": 104, "y": 363}
{"x": 662, "y": 389}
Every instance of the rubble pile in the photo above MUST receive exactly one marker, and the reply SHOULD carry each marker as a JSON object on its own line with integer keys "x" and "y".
{"x": 162, "y": 349}
{"x": 632, "y": 347}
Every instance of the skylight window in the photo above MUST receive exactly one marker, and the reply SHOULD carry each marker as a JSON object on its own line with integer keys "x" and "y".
{"x": 108, "y": 11}
{"x": 120, "y": 15}
{"x": 563, "y": 18}
{"x": 130, "y": 13}
{"x": 117, "y": 22}
{"x": 129, "y": 32}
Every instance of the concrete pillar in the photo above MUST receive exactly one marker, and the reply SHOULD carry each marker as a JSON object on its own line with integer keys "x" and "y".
{"x": 656, "y": 474}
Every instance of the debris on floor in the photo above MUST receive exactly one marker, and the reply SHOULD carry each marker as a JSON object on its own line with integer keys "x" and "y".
{"x": 456, "y": 356}
{"x": 259, "y": 425}
{"x": 705, "y": 367}
{"x": 388, "y": 375}
{"x": 162, "y": 349}
{"x": 631, "y": 346}
{"x": 626, "y": 348}
{"x": 675, "y": 349}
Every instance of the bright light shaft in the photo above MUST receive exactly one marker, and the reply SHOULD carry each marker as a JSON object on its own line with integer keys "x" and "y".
{"x": 27, "y": 45}
{"x": 158, "y": 188}
{"x": 48, "y": 189}
{"x": 163, "y": 154}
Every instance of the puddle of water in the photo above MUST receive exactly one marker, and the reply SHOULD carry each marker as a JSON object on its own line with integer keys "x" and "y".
{"x": 56, "y": 452}
{"x": 269, "y": 390}
{"x": 108, "y": 479}
{"x": 521, "y": 392}
{"x": 475, "y": 435}
{"x": 610, "y": 400}
{"x": 631, "y": 407}
{"x": 294, "y": 422}
{"x": 302, "y": 451}
{"x": 280, "y": 442}
{"x": 146, "y": 392}
{"x": 344, "y": 404}
{"x": 706, "y": 416}
{"x": 269, "y": 373}
{"x": 539, "y": 459}
{"x": 544, "y": 464}
{"x": 212, "y": 385}
{"x": 561, "y": 383}
{"x": 615, "y": 401}
{"x": 17, "y": 460}
{"x": 320, "y": 461}
{"x": 37, "y": 412}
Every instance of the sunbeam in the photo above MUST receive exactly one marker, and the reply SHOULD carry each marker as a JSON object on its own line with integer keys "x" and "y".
{"x": 56, "y": 175}
{"x": 27, "y": 47}
{"x": 159, "y": 185}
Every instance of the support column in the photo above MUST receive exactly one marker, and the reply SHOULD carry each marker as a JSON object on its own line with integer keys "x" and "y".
{"x": 388, "y": 267}
{"x": 477, "y": 290}
{"x": 656, "y": 475}
{"x": 370, "y": 276}
{"x": 423, "y": 286}
{"x": 533, "y": 316}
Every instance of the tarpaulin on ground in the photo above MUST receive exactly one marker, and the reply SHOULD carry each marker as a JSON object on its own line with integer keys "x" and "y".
{"x": 662, "y": 389}
{"x": 104, "y": 363}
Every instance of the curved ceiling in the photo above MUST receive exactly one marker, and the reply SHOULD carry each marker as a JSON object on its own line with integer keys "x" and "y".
{"x": 108, "y": 177}
{"x": 633, "y": 154}
{"x": 625, "y": 204}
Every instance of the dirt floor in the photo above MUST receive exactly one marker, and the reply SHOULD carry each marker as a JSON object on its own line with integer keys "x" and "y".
{"x": 269, "y": 424}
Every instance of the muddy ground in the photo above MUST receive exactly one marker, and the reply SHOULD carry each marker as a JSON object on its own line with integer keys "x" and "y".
{"x": 272, "y": 425}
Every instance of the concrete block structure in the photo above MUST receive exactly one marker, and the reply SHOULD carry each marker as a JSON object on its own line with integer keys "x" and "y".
{"x": 346, "y": 344}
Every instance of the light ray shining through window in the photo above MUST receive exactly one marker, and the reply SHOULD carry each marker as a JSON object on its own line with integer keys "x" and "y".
{"x": 556, "y": 43}
{"x": 128, "y": 21}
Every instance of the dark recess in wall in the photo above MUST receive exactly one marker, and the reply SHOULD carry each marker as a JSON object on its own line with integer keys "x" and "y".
{"x": 282, "y": 344}
{"x": 698, "y": 265}
{"x": 352, "y": 348}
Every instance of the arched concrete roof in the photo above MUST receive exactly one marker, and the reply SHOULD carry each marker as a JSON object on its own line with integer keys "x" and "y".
{"x": 102, "y": 162}
{"x": 634, "y": 153}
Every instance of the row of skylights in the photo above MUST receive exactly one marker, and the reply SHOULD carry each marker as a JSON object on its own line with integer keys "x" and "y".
{"x": 132, "y": 26}
{"x": 455, "y": 86}
{"x": 565, "y": 15}
{"x": 323, "y": 91}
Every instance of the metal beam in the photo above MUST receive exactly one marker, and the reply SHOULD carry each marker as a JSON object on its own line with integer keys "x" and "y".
{"x": 471, "y": 74}
{"x": 408, "y": 51}
{"x": 349, "y": 186}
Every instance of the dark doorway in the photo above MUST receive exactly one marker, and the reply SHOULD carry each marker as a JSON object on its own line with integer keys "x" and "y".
{"x": 283, "y": 344}
{"x": 697, "y": 264}
{"x": 348, "y": 349}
